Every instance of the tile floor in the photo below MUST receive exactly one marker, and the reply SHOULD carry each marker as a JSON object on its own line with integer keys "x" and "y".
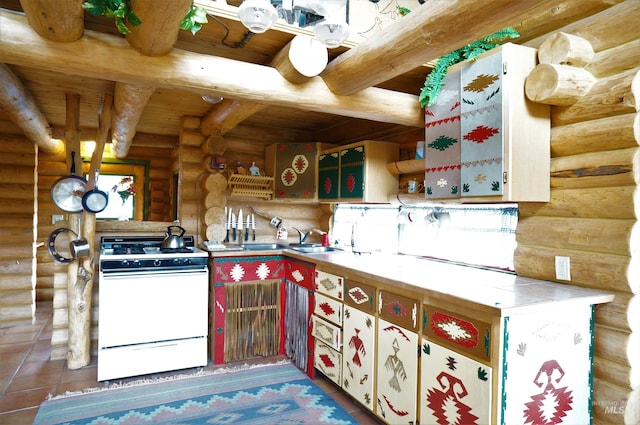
{"x": 27, "y": 375}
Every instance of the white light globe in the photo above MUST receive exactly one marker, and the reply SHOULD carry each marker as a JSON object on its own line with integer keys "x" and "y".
{"x": 331, "y": 32}
{"x": 257, "y": 15}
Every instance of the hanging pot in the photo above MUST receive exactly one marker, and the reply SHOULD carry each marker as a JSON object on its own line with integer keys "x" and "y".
{"x": 67, "y": 192}
{"x": 95, "y": 200}
{"x": 66, "y": 252}
{"x": 171, "y": 240}
{"x": 80, "y": 246}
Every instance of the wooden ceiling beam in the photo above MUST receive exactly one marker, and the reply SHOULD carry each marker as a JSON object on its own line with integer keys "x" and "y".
{"x": 434, "y": 29}
{"x": 111, "y": 58}
{"x": 226, "y": 115}
{"x": 129, "y": 103}
{"x": 22, "y": 110}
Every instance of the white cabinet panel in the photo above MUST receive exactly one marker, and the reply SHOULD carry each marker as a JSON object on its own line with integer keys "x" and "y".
{"x": 327, "y": 332}
{"x": 329, "y": 284}
{"x": 328, "y": 308}
{"x": 454, "y": 389}
{"x": 358, "y": 355}
{"x": 397, "y": 374}
{"x": 548, "y": 367}
{"x": 328, "y": 361}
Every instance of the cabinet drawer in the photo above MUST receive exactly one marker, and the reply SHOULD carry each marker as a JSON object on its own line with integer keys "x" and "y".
{"x": 328, "y": 308}
{"x": 399, "y": 310}
{"x": 327, "y": 332}
{"x": 328, "y": 361}
{"x": 360, "y": 296}
{"x": 460, "y": 333}
{"x": 301, "y": 273}
{"x": 329, "y": 284}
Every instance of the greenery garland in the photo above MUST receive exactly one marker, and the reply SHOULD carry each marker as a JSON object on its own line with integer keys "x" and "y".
{"x": 120, "y": 11}
{"x": 433, "y": 82}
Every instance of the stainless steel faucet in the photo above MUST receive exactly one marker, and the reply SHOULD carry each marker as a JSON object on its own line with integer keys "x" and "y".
{"x": 303, "y": 235}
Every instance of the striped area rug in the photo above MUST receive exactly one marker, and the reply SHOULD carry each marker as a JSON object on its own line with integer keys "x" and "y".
{"x": 273, "y": 394}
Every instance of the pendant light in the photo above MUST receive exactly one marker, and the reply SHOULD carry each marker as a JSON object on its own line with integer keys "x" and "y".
{"x": 331, "y": 32}
{"x": 257, "y": 15}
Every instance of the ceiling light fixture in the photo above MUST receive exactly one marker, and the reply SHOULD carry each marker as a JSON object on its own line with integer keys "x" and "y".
{"x": 257, "y": 15}
{"x": 331, "y": 32}
{"x": 330, "y": 29}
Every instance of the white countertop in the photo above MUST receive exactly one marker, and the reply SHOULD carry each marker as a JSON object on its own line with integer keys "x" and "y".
{"x": 506, "y": 292}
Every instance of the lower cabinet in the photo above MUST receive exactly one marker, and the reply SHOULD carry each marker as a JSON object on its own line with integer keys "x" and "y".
{"x": 358, "y": 355}
{"x": 396, "y": 374}
{"x": 246, "y": 307}
{"x": 298, "y": 307}
{"x": 454, "y": 389}
{"x": 327, "y": 325}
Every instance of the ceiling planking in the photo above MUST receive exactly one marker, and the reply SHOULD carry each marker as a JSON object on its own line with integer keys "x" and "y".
{"x": 163, "y": 112}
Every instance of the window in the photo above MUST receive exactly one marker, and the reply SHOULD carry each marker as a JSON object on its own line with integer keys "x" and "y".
{"x": 111, "y": 182}
{"x": 122, "y": 191}
{"x": 482, "y": 235}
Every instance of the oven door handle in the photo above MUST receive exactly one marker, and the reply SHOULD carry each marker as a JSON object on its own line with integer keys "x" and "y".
{"x": 128, "y": 273}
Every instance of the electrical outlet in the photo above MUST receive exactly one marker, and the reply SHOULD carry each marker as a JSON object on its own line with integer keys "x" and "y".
{"x": 563, "y": 268}
{"x": 56, "y": 218}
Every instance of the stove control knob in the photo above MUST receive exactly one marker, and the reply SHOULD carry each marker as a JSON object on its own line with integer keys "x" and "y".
{"x": 187, "y": 261}
{"x": 157, "y": 262}
{"x": 176, "y": 261}
{"x": 125, "y": 263}
{"x": 136, "y": 263}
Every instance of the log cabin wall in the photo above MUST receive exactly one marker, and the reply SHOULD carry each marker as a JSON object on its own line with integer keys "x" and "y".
{"x": 594, "y": 207}
{"x": 17, "y": 215}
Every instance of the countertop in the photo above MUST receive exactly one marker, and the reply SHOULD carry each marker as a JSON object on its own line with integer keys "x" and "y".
{"x": 503, "y": 293}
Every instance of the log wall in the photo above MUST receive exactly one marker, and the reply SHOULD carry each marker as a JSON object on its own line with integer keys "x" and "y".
{"x": 592, "y": 216}
{"x": 17, "y": 212}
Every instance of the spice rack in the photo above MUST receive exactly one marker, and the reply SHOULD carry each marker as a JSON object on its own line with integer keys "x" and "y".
{"x": 253, "y": 186}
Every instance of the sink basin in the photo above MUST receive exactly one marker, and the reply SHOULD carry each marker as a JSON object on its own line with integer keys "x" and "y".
{"x": 312, "y": 249}
{"x": 263, "y": 246}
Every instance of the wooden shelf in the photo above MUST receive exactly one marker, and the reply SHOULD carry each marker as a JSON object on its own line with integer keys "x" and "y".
{"x": 251, "y": 186}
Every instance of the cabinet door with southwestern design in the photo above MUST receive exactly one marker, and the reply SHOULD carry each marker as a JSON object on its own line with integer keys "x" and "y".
{"x": 548, "y": 367}
{"x": 329, "y": 175}
{"x": 442, "y": 141}
{"x": 396, "y": 374}
{"x": 358, "y": 355}
{"x": 352, "y": 173}
{"x": 454, "y": 389}
{"x": 482, "y": 127}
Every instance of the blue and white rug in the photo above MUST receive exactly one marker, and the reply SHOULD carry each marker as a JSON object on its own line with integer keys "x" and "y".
{"x": 274, "y": 394}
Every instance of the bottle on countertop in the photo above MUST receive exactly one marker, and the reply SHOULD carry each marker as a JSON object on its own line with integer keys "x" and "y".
{"x": 254, "y": 170}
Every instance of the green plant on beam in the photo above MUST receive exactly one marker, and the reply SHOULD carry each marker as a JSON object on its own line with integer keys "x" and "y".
{"x": 433, "y": 83}
{"x": 120, "y": 11}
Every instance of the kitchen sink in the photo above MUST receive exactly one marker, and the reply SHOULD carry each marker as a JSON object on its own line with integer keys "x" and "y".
{"x": 262, "y": 246}
{"x": 312, "y": 249}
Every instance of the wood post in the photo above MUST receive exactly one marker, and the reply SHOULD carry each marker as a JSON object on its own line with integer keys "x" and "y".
{"x": 60, "y": 20}
{"x": 160, "y": 26}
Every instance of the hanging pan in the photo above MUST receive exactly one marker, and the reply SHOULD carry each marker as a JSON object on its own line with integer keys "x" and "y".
{"x": 95, "y": 200}
{"x": 66, "y": 192}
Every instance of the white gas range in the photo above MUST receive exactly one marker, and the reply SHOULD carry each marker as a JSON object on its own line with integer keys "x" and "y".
{"x": 153, "y": 306}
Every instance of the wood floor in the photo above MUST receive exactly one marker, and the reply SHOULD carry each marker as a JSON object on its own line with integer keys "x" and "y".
{"x": 27, "y": 376}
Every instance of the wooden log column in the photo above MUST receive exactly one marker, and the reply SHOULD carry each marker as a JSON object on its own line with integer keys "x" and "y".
{"x": 60, "y": 20}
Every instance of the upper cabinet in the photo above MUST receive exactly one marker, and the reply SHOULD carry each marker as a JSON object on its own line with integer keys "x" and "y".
{"x": 357, "y": 172}
{"x": 484, "y": 139}
{"x": 294, "y": 168}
